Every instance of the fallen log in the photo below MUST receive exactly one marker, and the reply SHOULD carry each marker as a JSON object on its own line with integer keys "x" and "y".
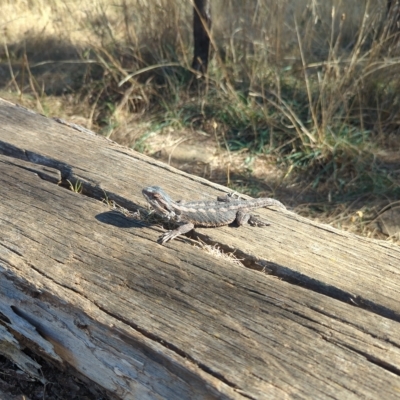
{"x": 89, "y": 289}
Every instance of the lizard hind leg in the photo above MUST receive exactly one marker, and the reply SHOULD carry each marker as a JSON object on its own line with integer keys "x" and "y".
{"x": 254, "y": 220}
{"x": 228, "y": 197}
{"x": 244, "y": 217}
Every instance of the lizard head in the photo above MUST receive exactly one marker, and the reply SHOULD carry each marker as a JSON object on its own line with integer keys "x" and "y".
{"x": 159, "y": 200}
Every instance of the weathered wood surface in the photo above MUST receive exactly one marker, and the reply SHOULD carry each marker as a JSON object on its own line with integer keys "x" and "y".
{"x": 91, "y": 289}
{"x": 326, "y": 259}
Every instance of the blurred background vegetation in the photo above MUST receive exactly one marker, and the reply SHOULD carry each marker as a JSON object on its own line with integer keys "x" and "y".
{"x": 301, "y": 98}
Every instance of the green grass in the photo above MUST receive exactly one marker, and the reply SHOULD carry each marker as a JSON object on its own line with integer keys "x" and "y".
{"x": 314, "y": 87}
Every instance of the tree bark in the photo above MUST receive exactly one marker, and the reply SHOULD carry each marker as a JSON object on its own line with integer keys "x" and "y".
{"x": 201, "y": 29}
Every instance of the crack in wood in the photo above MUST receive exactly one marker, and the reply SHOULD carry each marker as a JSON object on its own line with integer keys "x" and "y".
{"x": 374, "y": 360}
{"x": 296, "y": 278}
{"x": 170, "y": 346}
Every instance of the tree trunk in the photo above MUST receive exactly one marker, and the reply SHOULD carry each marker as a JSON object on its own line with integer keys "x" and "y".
{"x": 201, "y": 29}
{"x": 392, "y": 25}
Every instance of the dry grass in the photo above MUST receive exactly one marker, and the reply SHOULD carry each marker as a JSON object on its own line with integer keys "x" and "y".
{"x": 309, "y": 84}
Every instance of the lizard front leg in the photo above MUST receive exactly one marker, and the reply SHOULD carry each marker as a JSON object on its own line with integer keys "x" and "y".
{"x": 176, "y": 232}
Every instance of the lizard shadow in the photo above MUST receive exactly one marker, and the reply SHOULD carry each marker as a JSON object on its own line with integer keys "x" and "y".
{"x": 119, "y": 220}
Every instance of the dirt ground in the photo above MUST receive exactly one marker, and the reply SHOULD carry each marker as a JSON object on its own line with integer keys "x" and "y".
{"x": 17, "y": 385}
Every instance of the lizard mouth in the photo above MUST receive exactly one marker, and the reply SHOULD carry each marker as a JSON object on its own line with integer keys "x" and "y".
{"x": 159, "y": 200}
